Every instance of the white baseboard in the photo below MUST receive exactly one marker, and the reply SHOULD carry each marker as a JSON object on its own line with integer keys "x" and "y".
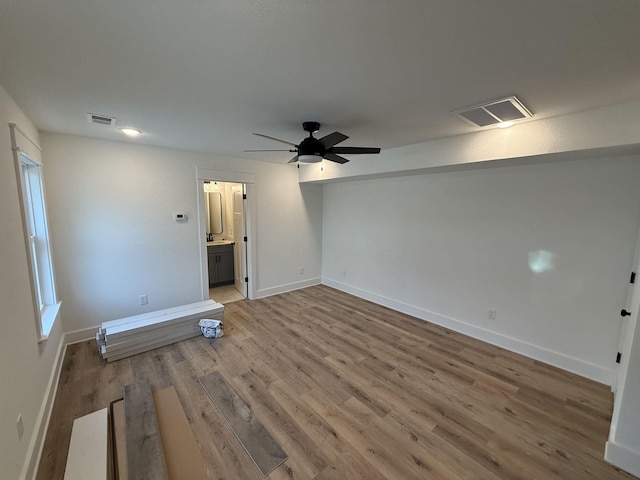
{"x": 34, "y": 452}
{"x": 288, "y": 287}
{"x": 560, "y": 360}
{"x": 622, "y": 457}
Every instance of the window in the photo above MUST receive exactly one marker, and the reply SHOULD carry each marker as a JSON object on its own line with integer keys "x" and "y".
{"x": 37, "y": 240}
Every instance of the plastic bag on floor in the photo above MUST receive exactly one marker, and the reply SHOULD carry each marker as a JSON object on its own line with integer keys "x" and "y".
{"x": 211, "y": 328}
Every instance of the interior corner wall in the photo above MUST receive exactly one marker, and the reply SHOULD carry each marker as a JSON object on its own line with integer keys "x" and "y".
{"x": 549, "y": 246}
{"x": 111, "y": 208}
{"x": 27, "y": 368}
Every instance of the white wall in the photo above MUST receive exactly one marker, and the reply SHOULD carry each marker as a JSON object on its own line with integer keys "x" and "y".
{"x": 111, "y": 206}
{"x": 26, "y": 368}
{"x": 449, "y": 246}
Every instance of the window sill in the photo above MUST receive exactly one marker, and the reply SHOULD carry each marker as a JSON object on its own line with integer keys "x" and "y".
{"x": 48, "y": 318}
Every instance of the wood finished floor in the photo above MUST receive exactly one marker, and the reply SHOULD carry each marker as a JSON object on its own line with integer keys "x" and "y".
{"x": 351, "y": 390}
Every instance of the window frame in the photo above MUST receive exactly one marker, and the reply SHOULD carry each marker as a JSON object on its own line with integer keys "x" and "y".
{"x": 30, "y": 180}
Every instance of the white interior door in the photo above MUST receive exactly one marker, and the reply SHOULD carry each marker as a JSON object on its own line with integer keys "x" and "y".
{"x": 239, "y": 232}
{"x": 629, "y": 324}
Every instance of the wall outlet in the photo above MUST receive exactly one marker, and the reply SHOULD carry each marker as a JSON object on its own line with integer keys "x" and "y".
{"x": 143, "y": 299}
{"x": 491, "y": 314}
{"x": 20, "y": 426}
{"x": 301, "y": 270}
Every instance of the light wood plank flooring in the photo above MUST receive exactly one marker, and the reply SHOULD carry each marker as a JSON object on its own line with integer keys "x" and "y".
{"x": 353, "y": 390}
{"x": 225, "y": 294}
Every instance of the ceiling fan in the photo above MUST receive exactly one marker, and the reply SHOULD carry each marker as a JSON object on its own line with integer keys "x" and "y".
{"x": 312, "y": 150}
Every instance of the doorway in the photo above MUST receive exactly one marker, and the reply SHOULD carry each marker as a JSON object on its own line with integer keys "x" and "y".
{"x": 225, "y": 231}
{"x": 226, "y": 240}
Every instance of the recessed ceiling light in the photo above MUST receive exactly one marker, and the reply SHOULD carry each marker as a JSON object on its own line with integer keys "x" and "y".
{"x": 131, "y": 132}
{"x": 506, "y": 124}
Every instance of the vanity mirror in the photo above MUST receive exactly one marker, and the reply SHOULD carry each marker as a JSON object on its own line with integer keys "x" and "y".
{"x": 214, "y": 212}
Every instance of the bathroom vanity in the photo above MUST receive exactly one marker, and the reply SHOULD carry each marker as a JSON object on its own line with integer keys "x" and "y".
{"x": 220, "y": 256}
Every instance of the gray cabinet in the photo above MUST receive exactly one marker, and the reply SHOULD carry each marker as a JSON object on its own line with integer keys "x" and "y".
{"x": 220, "y": 264}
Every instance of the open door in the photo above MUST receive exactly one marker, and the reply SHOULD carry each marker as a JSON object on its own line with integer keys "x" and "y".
{"x": 240, "y": 233}
{"x": 623, "y": 444}
{"x": 629, "y": 315}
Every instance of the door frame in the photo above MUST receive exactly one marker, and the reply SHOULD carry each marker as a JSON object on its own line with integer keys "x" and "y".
{"x": 205, "y": 173}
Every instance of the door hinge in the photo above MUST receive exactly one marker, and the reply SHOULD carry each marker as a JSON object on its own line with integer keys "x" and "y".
{"x": 633, "y": 277}
{"x": 246, "y": 239}
{"x": 618, "y": 357}
{"x": 246, "y": 279}
{"x": 244, "y": 196}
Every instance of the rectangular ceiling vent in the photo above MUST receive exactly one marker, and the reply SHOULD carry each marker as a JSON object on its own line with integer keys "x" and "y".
{"x": 508, "y": 109}
{"x": 101, "y": 119}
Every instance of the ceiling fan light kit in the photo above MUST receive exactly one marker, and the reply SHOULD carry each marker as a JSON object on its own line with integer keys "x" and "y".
{"x": 309, "y": 158}
{"x": 314, "y": 150}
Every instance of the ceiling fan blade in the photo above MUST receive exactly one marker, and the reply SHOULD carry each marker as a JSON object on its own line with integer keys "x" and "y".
{"x": 276, "y": 139}
{"x": 268, "y": 150}
{"x": 332, "y": 139}
{"x": 293, "y": 160}
{"x": 354, "y": 150}
{"x": 334, "y": 158}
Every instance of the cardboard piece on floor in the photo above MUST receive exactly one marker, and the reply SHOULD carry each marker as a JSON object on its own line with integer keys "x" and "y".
{"x": 87, "y": 458}
{"x": 120, "y": 439}
{"x": 182, "y": 454}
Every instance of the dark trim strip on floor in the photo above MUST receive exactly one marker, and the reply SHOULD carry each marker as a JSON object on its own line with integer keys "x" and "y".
{"x": 256, "y": 440}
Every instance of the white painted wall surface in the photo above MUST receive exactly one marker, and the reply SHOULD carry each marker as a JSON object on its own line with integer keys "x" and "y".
{"x": 447, "y": 247}
{"x": 112, "y": 204}
{"x": 26, "y": 367}
{"x": 593, "y": 132}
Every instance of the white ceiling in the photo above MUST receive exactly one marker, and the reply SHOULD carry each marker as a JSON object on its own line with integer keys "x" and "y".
{"x": 204, "y": 74}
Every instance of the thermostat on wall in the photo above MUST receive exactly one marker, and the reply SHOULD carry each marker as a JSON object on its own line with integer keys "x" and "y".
{"x": 180, "y": 217}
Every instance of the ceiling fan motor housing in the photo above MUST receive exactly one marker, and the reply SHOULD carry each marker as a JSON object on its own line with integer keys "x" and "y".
{"x": 311, "y": 127}
{"x": 311, "y": 146}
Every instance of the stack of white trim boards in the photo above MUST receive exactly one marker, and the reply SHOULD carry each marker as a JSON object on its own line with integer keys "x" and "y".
{"x": 132, "y": 335}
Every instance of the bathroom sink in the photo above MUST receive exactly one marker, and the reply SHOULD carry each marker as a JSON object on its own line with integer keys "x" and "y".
{"x": 221, "y": 242}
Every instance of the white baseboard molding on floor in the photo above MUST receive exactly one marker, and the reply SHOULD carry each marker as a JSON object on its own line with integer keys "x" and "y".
{"x": 288, "y": 287}
{"x": 87, "y": 456}
{"x": 78, "y": 336}
{"x": 622, "y": 457}
{"x": 560, "y": 360}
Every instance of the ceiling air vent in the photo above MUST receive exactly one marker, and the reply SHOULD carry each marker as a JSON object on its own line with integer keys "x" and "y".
{"x": 101, "y": 119}
{"x": 508, "y": 109}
